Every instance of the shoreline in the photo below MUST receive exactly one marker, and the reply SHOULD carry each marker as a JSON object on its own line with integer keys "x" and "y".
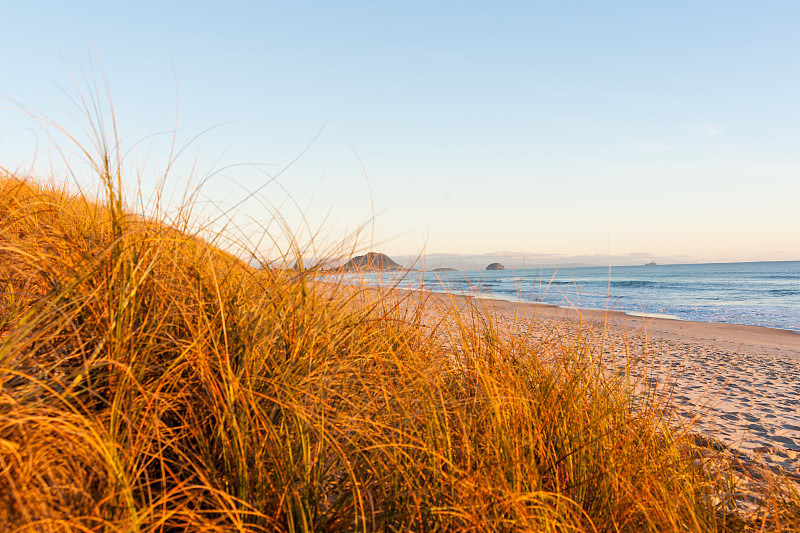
{"x": 743, "y": 338}
{"x": 764, "y": 297}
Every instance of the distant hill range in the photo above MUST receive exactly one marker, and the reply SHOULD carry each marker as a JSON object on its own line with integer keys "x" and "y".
{"x": 371, "y": 262}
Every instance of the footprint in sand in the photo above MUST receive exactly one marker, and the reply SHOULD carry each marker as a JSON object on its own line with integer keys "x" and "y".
{"x": 786, "y": 441}
{"x": 758, "y": 428}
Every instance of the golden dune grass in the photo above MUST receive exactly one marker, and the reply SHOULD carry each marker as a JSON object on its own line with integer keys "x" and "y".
{"x": 152, "y": 382}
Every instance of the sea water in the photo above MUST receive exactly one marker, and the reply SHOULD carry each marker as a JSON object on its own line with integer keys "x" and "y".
{"x": 759, "y": 293}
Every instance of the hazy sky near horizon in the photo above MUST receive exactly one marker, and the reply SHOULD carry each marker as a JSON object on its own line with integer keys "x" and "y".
{"x": 596, "y": 129}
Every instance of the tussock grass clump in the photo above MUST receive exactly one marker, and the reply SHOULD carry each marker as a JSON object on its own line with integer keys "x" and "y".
{"x": 152, "y": 382}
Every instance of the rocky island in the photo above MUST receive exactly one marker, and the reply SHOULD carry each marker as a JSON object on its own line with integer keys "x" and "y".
{"x": 371, "y": 262}
{"x": 495, "y": 266}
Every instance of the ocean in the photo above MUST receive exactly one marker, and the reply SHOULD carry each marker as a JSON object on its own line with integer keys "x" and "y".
{"x": 759, "y": 293}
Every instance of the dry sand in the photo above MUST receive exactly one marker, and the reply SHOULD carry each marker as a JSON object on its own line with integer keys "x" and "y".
{"x": 737, "y": 385}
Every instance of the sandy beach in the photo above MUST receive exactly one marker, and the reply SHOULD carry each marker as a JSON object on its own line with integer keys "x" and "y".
{"x": 738, "y": 385}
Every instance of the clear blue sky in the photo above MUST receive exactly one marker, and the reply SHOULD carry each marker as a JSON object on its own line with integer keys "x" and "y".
{"x": 633, "y": 130}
